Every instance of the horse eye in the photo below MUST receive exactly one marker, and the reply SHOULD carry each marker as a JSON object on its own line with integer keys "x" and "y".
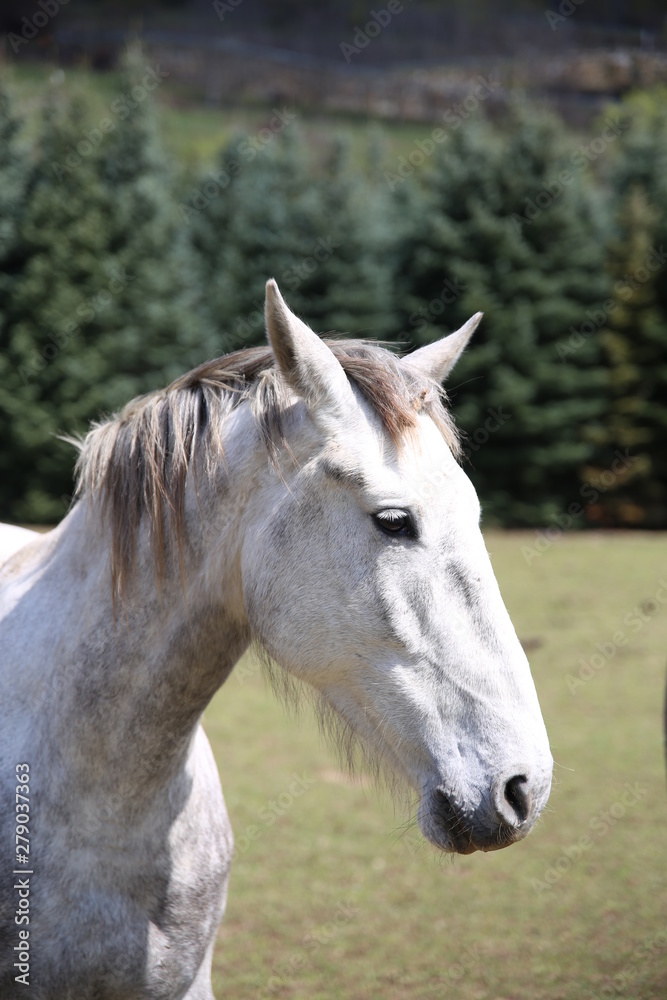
{"x": 394, "y": 522}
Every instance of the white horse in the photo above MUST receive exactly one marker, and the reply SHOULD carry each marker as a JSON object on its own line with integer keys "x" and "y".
{"x": 13, "y": 538}
{"x": 306, "y": 497}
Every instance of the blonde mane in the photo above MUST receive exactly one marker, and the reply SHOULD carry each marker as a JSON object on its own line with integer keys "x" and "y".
{"x": 136, "y": 462}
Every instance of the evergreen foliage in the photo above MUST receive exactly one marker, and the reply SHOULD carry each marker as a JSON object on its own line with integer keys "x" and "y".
{"x": 99, "y": 306}
{"x": 13, "y": 171}
{"x": 635, "y": 340}
{"x": 318, "y": 232}
{"x": 501, "y": 228}
{"x": 117, "y": 273}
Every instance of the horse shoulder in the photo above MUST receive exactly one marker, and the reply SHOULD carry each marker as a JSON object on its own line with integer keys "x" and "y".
{"x": 201, "y": 846}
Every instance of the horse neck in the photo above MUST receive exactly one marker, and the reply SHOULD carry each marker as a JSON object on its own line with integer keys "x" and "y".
{"x": 137, "y": 673}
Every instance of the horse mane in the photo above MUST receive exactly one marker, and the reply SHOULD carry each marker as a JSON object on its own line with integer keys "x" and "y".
{"x": 136, "y": 462}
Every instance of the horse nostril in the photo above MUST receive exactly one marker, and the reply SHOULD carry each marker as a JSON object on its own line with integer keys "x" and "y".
{"x": 517, "y": 800}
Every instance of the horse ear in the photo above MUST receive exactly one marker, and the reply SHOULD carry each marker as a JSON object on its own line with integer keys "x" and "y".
{"x": 437, "y": 360}
{"x": 309, "y": 366}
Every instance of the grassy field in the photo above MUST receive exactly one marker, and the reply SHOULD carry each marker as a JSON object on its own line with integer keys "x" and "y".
{"x": 194, "y": 133}
{"x": 331, "y": 897}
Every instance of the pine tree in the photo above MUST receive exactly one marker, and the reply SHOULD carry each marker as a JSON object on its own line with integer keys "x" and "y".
{"x": 102, "y": 307}
{"x": 13, "y": 174}
{"x": 13, "y": 170}
{"x": 498, "y": 227}
{"x": 636, "y": 337}
{"x": 350, "y": 289}
{"x": 59, "y": 267}
{"x": 156, "y": 327}
{"x": 318, "y": 233}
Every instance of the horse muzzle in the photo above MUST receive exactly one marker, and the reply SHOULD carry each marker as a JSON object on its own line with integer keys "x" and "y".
{"x": 484, "y": 819}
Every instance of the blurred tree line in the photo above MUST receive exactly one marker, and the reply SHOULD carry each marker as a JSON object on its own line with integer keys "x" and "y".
{"x": 117, "y": 273}
{"x": 458, "y": 26}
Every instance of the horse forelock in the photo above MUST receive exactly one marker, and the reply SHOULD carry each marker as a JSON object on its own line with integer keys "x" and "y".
{"x": 135, "y": 464}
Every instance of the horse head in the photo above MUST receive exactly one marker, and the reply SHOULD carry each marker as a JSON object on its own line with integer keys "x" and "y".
{"x": 369, "y": 580}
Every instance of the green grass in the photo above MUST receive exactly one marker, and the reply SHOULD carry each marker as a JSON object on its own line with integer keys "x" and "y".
{"x": 362, "y": 909}
{"x": 192, "y": 132}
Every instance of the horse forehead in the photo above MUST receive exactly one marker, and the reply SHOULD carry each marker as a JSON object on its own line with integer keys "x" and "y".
{"x": 425, "y": 464}
{"x": 426, "y": 447}
{"x": 364, "y": 440}
{"x": 445, "y": 494}
{"x": 420, "y": 469}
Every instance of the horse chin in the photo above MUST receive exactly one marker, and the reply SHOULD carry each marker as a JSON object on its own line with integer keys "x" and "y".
{"x": 455, "y": 830}
{"x": 448, "y": 840}
{"x": 449, "y": 845}
{"x": 464, "y": 841}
